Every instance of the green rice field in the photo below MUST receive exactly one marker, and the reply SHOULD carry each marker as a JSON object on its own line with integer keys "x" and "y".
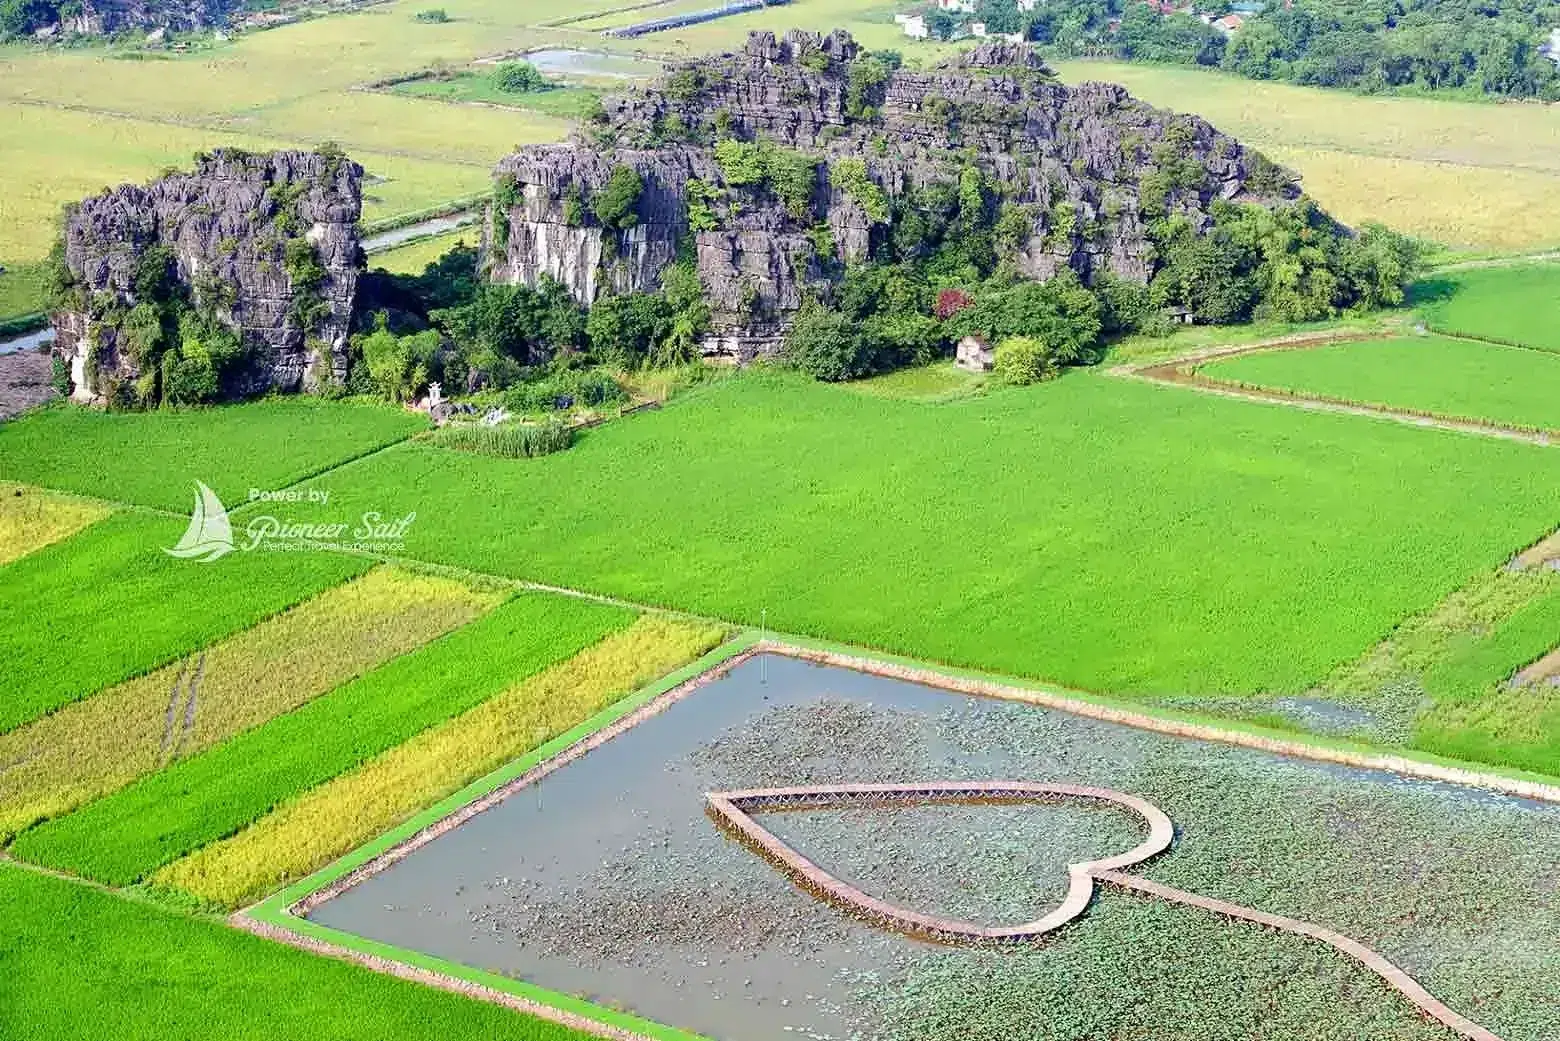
{"x": 1448, "y": 377}
{"x": 1518, "y": 304}
{"x": 107, "y": 604}
{"x": 154, "y": 458}
{"x": 155, "y": 975}
{"x": 1100, "y": 530}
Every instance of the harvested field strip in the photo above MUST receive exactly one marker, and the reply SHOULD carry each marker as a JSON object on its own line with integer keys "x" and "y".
{"x": 31, "y": 519}
{"x": 96, "y": 956}
{"x": 126, "y": 836}
{"x": 1433, "y": 375}
{"x": 107, "y": 604}
{"x": 95, "y": 746}
{"x": 330, "y": 820}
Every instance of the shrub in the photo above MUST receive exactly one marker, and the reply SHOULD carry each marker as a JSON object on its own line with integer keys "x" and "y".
{"x": 951, "y": 301}
{"x": 523, "y": 441}
{"x": 617, "y": 204}
{"x": 862, "y": 94}
{"x": 1021, "y": 360}
{"x": 852, "y": 178}
{"x": 519, "y": 77}
{"x": 827, "y": 345}
{"x": 432, "y": 16}
{"x": 701, "y": 214}
{"x": 741, "y": 162}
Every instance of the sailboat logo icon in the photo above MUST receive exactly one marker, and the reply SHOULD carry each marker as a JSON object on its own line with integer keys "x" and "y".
{"x": 209, "y": 536}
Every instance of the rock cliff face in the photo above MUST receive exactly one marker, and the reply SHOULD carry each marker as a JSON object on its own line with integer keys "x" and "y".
{"x": 1081, "y": 172}
{"x": 265, "y": 245}
{"x": 103, "y": 17}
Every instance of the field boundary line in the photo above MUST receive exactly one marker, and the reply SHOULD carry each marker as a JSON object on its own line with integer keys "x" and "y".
{"x": 1186, "y": 371}
{"x": 280, "y": 916}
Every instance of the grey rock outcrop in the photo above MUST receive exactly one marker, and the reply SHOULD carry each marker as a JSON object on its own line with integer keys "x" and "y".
{"x": 104, "y": 17}
{"x": 1081, "y": 169}
{"x": 266, "y": 245}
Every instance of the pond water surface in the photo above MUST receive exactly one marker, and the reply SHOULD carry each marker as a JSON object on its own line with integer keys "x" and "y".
{"x": 606, "y": 879}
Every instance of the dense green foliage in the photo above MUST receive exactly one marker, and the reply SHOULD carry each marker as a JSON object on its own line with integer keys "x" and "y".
{"x": 1131, "y": 537}
{"x": 152, "y": 459}
{"x": 1022, "y": 360}
{"x": 1417, "y": 44}
{"x": 399, "y": 366}
{"x": 198, "y": 800}
{"x": 108, "y": 604}
{"x": 755, "y": 165}
{"x": 945, "y": 272}
{"x": 518, "y": 77}
{"x": 616, "y": 206}
{"x": 155, "y": 975}
{"x": 1517, "y": 305}
{"x": 1456, "y": 378}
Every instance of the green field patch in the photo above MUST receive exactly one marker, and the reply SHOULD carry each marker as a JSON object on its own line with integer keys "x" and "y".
{"x": 1101, "y": 533}
{"x": 31, "y": 518}
{"x": 94, "y": 746}
{"x": 154, "y": 458}
{"x": 1459, "y": 379}
{"x": 199, "y": 800}
{"x": 155, "y": 975}
{"x": 941, "y": 381}
{"x": 22, "y": 292}
{"x": 479, "y": 86}
{"x": 1515, "y": 305}
{"x": 415, "y": 256}
{"x": 325, "y": 822}
{"x": 107, "y": 604}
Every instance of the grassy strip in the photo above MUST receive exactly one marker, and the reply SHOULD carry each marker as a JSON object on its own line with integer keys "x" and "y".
{"x": 1423, "y": 375}
{"x": 112, "y": 967}
{"x": 108, "y": 604}
{"x": 86, "y": 750}
{"x": 327, "y": 821}
{"x": 153, "y": 458}
{"x": 1525, "y": 637}
{"x": 31, "y": 519}
{"x": 128, "y": 835}
{"x": 521, "y": 441}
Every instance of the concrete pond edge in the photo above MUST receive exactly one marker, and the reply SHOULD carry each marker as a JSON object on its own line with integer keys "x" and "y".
{"x": 281, "y": 916}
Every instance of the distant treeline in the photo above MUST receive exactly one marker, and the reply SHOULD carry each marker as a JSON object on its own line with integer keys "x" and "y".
{"x": 1475, "y": 46}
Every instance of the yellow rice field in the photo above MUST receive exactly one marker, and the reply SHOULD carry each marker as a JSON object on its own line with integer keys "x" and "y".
{"x": 320, "y": 825}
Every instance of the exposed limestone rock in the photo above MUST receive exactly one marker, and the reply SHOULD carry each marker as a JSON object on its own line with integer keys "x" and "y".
{"x": 1084, "y": 168}
{"x": 104, "y": 17}
{"x": 229, "y": 225}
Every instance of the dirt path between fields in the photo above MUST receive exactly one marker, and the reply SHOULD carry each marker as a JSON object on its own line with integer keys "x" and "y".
{"x": 1185, "y": 370}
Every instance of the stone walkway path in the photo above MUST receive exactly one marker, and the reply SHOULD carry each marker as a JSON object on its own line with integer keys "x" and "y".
{"x": 731, "y": 809}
